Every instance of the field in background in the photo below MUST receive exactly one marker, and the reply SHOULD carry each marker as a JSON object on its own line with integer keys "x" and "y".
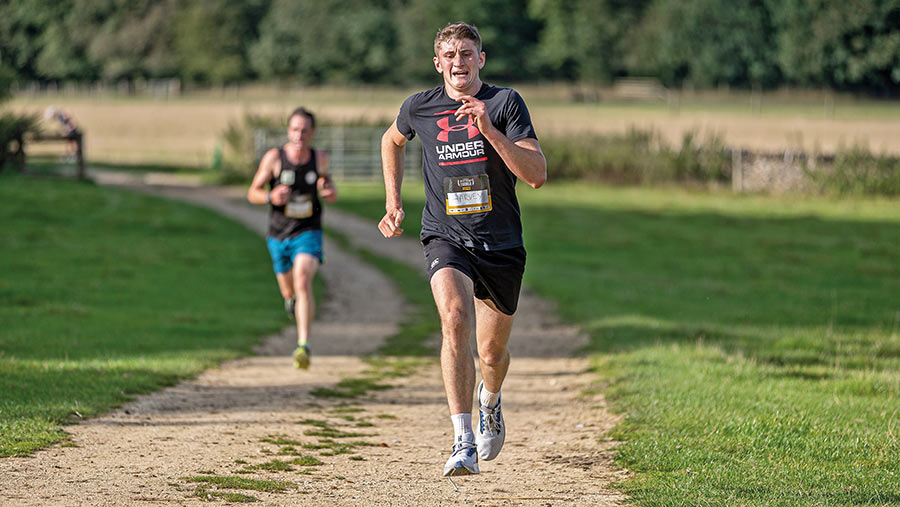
{"x": 186, "y": 129}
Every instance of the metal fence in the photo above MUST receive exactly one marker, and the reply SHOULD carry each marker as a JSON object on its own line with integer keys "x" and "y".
{"x": 355, "y": 152}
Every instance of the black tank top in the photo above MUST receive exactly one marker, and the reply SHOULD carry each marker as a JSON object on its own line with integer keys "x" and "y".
{"x": 303, "y": 212}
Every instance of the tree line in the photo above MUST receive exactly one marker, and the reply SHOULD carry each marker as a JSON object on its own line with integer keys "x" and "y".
{"x": 847, "y": 45}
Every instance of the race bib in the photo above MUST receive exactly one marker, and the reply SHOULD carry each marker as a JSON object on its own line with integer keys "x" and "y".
{"x": 287, "y": 177}
{"x": 300, "y": 206}
{"x": 467, "y": 194}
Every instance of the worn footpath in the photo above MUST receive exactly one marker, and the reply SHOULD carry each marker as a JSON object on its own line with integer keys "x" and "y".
{"x": 387, "y": 447}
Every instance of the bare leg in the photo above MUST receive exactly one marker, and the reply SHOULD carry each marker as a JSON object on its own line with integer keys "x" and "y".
{"x": 305, "y": 267}
{"x": 492, "y": 334}
{"x": 285, "y": 284}
{"x": 453, "y": 292}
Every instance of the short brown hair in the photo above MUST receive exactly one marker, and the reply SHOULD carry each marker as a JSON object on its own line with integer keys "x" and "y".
{"x": 458, "y": 30}
{"x": 302, "y": 111}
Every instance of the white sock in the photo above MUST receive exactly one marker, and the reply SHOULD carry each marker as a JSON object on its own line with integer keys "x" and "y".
{"x": 462, "y": 428}
{"x": 488, "y": 399}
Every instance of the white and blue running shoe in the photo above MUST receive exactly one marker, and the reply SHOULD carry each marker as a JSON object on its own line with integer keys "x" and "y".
{"x": 490, "y": 432}
{"x": 464, "y": 460}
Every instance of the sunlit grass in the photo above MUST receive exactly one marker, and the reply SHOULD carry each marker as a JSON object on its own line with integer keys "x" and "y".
{"x": 106, "y": 294}
{"x": 751, "y": 343}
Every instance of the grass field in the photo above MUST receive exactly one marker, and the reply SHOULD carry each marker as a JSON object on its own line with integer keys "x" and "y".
{"x": 752, "y": 343}
{"x": 105, "y": 294}
{"x": 186, "y": 129}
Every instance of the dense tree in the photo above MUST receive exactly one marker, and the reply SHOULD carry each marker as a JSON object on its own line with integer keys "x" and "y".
{"x": 843, "y": 44}
{"x": 24, "y": 28}
{"x": 133, "y": 38}
{"x": 586, "y": 40}
{"x": 707, "y": 43}
{"x": 211, "y": 39}
{"x": 326, "y": 41}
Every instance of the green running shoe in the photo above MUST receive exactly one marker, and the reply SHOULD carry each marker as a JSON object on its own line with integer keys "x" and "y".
{"x": 301, "y": 357}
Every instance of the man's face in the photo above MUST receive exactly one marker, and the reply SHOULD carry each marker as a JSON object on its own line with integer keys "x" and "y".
{"x": 300, "y": 130}
{"x": 459, "y": 61}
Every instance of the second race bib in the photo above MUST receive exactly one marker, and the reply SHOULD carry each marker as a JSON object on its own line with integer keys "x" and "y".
{"x": 300, "y": 206}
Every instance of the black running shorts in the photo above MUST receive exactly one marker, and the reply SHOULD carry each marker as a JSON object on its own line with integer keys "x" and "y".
{"x": 497, "y": 275}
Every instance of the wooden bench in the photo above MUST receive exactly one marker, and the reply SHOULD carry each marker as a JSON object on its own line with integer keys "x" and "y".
{"x": 77, "y": 137}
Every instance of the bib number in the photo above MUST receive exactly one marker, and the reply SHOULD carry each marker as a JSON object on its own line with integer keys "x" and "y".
{"x": 287, "y": 177}
{"x": 467, "y": 194}
{"x": 300, "y": 206}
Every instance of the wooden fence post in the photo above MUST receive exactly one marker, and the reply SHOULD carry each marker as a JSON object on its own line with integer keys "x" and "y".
{"x": 79, "y": 153}
{"x": 737, "y": 171}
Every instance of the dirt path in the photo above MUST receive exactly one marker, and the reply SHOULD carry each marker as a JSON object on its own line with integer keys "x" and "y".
{"x": 230, "y": 418}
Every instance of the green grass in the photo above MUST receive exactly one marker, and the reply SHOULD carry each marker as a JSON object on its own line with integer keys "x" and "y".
{"x": 275, "y": 465}
{"x": 229, "y": 482}
{"x": 421, "y": 319}
{"x": 350, "y": 388}
{"x": 752, "y": 343}
{"x": 306, "y": 461}
{"x": 105, "y": 294}
{"x": 281, "y": 441}
{"x": 44, "y": 165}
{"x": 206, "y": 494}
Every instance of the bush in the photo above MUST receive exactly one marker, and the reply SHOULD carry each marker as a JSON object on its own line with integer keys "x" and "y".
{"x": 637, "y": 157}
{"x": 12, "y": 130}
{"x": 857, "y": 170}
{"x": 239, "y": 158}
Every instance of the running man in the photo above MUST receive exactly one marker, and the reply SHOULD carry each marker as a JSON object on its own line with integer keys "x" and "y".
{"x": 290, "y": 180}
{"x": 477, "y": 141}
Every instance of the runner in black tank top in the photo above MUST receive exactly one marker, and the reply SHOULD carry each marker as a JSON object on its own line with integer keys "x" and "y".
{"x": 291, "y": 179}
{"x": 304, "y": 211}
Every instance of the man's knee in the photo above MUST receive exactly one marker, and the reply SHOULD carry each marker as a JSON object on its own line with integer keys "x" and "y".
{"x": 456, "y": 315}
{"x": 302, "y": 280}
{"x": 303, "y": 277}
{"x": 493, "y": 356}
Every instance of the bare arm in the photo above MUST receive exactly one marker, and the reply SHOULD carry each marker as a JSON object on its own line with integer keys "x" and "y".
{"x": 392, "y": 143}
{"x": 325, "y": 185}
{"x": 268, "y": 167}
{"x": 523, "y": 157}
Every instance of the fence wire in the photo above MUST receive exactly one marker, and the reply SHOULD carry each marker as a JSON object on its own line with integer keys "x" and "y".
{"x": 355, "y": 152}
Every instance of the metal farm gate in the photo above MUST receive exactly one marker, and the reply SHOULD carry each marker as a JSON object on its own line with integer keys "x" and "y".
{"x": 355, "y": 151}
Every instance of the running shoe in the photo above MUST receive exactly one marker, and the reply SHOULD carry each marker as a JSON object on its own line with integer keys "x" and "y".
{"x": 463, "y": 461}
{"x": 301, "y": 357}
{"x": 289, "y": 307}
{"x": 491, "y": 432}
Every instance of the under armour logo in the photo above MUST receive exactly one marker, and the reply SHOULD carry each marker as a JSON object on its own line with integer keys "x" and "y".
{"x": 444, "y": 125}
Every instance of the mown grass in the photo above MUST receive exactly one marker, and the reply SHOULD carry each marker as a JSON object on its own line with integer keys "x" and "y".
{"x": 752, "y": 343}
{"x": 105, "y": 294}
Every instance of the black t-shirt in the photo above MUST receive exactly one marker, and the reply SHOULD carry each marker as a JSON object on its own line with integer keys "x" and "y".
{"x": 303, "y": 211}
{"x": 470, "y": 193}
